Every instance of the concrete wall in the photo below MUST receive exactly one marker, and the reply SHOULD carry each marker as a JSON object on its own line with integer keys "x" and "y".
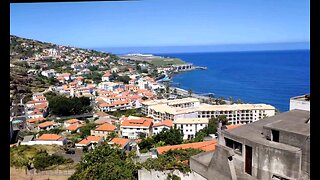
{"x": 302, "y": 105}
{"x": 269, "y": 161}
{"x": 162, "y": 175}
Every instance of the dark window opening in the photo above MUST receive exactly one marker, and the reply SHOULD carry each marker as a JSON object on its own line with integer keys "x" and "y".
{"x": 275, "y": 135}
{"x": 236, "y": 146}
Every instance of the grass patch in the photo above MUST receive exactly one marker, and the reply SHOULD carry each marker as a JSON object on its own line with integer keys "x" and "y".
{"x": 166, "y": 62}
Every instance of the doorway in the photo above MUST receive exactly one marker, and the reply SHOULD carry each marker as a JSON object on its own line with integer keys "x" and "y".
{"x": 248, "y": 160}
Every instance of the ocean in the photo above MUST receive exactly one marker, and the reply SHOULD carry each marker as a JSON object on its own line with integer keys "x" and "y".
{"x": 270, "y": 77}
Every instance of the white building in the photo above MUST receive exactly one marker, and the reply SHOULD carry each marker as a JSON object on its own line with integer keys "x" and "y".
{"x": 132, "y": 128}
{"x": 158, "y": 127}
{"x": 190, "y": 126}
{"x": 109, "y": 86}
{"x": 142, "y": 83}
{"x": 300, "y": 102}
{"x": 47, "y": 139}
{"x": 192, "y": 108}
{"x": 49, "y": 73}
{"x": 106, "y": 77}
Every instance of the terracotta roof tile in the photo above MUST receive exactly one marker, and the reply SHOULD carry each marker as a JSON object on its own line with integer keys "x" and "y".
{"x": 206, "y": 146}
{"x": 167, "y": 123}
{"x": 71, "y": 121}
{"x": 146, "y": 122}
{"x": 74, "y": 127}
{"x": 46, "y": 124}
{"x": 232, "y": 126}
{"x": 90, "y": 139}
{"x": 35, "y": 120}
{"x": 121, "y": 141}
{"x": 50, "y": 137}
{"x": 106, "y": 127}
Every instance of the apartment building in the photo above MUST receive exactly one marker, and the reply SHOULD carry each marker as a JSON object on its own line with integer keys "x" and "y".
{"x": 190, "y": 126}
{"x": 192, "y": 108}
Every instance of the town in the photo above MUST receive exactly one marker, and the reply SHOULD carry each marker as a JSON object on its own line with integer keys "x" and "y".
{"x": 74, "y": 102}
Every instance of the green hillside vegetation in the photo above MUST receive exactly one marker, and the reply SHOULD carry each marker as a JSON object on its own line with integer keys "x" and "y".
{"x": 166, "y": 62}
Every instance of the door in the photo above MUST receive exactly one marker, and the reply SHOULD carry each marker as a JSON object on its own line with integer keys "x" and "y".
{"x": 248, "y": 160}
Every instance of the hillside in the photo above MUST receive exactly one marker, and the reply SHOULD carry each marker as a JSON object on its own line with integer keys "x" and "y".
{"x": 29, "y": 57}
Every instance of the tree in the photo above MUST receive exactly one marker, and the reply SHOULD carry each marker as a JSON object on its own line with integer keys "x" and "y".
{"x": 124, "y": 79}
{"x": 61, "y": 105}
{"x": 146, "y": 143}
{"x": 105, "y": 162}
{"x": 172, "y": 136}
{"x": 211, "y": 128}
{"x": 86, "y": 130}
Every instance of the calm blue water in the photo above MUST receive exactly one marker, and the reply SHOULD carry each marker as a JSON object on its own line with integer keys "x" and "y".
{"x": 270, "y": 77}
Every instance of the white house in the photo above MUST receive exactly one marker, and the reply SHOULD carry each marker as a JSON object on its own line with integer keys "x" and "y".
{"x": 46, "y": 139}
{"x": 49, "y": 73}
{"x": 91, "y": 142}
{"x": 158, "y": 127}
{"x": 74, "y": 127}
{"x": 47, "y": 125}
{"x": 133, "y": 128}
{"x": 190, "y": 126}
{"x": 106, "y": 77}
{"x": 70, "y": 122}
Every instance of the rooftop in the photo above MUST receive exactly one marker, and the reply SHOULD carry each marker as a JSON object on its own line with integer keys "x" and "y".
{"x": 106, "y": 127}
{"x": 291, "y": 121}
{"x": 305, "y": 97}
{"x": 90, "y": 139}
{"x": 205, "y": 146}
{"x": 120, "y": 141}
{"x": 50, "y": 137}
{"x": 191, "y": 121}
{"x": 144, "y": 122}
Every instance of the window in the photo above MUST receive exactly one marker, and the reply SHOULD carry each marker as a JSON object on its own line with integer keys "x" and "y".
{"x": 275, "y": 135}
{"x": 236, "y": 146}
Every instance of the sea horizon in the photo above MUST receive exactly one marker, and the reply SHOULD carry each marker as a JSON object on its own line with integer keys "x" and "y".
{"x": 250, "y": 76}
{"x": 207, "y": 48}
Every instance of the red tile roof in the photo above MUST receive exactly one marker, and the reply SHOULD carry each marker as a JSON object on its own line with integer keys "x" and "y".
{"x": 90, "y": 139}
{"x": 35, "y": 120}
{"x": 206, "y": 146}
{"x": 106, "y": 127}
{"x": 167, "y": 123}
{"x": 232, "y": 126}
{"x": 74, "y": 127}
{"x": 50, "y": 137}
{"x": 71, "y": 121}
{"x": 46, "y": 124}
{"x": 146, "y": 122}
{"x": 121, "y": 141}
{"x": 107, "y": 75}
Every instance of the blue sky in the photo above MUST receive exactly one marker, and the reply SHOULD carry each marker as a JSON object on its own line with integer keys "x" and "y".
{"x": 163, "y": 22}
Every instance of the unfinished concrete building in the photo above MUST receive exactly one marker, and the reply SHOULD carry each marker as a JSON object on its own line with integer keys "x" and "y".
{"x": 277, "y": 147}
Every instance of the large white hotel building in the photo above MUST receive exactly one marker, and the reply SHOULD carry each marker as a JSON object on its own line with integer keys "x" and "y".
{"x": 192, "y": 108}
